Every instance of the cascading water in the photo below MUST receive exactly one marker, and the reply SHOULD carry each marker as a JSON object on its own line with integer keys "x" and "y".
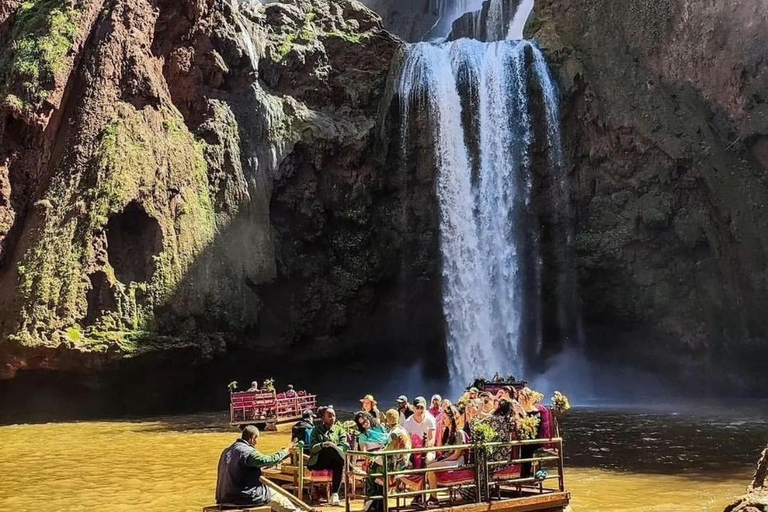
{"x": 447, "y": 12}
{"x": 477, "y": 97}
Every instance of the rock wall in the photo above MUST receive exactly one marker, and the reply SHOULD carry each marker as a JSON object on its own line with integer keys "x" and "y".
{"x": 211, "y": 177}
{"x": 756, "y": 498}
{"x": 201, "y": 175}
{"x": 665, "y": 116}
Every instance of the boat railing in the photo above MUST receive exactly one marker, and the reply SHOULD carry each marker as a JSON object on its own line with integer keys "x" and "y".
{"x": 480, "y": 461}
{"x": 267, "y": 405}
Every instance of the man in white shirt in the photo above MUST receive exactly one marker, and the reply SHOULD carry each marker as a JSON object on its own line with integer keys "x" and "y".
{"x": 422, "y": 423}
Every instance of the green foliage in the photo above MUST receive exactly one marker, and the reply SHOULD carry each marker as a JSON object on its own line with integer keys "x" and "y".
{"x": 139, "y": 156}
{"x": 348, "y": 37}
{"x": 74, "y": 335}
{"x": 527, "y": 427}
{"x": 560, "y": 404}
{"x": 43, "y": 33}
{"x": 307, "y": 34}
{"x": 483, "y": 433}
{"x": 347, "y": 428}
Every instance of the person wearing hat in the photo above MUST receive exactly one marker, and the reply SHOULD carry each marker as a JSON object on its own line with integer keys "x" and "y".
{"x": 302, "y": 429}
{"x": 404, "y": 408}
{"x": 421, "y": 426}
{"x": 371, "y": 407}
{"x": 291, "y": 393}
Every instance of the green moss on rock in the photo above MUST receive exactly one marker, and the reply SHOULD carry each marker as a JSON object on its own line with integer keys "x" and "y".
{"x": 139, "y": 157}
{"x": 42, "y": 35}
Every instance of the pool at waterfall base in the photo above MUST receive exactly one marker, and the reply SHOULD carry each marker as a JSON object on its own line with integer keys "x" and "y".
{"x": 617, "y": 460}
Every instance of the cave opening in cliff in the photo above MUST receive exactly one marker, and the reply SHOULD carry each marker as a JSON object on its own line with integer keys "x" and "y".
{"x": 133, "y": 239}
{"x": 100, "y": 297}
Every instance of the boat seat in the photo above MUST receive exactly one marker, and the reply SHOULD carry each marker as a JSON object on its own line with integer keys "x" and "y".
{"x": 308, "y": 481}
{"x": 320, "y": 475}
{"x": 454, "y": 479}
{"x": 508, "y": 473}
{"x": 236, "y": 508}
{"x": 504, "y": 475}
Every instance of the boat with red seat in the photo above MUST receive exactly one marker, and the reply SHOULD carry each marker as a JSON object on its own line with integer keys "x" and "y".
{"x": 267, "y": 408}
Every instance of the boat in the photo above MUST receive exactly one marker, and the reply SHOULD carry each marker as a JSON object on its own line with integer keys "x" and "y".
{"x": 267, "y": 408}
{"x": 481, "y": 485}
{"x": 496, "y": 383}
{"x": 495, "y": 476}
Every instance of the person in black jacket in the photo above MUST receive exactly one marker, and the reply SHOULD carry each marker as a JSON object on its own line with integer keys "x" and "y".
{"x": 302, "y": 428}
{"x": 239, "y": 474}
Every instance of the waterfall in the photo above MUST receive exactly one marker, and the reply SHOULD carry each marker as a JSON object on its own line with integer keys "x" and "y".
{"x": 428, "y": 73}
{"x": 476, "y": 97}
{"x": 448, "y": 11}
{"x": 517, "y": 25}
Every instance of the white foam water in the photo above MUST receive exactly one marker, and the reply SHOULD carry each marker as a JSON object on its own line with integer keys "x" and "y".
{"x": 481, "y": 228}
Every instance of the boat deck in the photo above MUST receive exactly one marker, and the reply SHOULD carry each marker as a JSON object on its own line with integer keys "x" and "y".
{"x": 526, "y": 501}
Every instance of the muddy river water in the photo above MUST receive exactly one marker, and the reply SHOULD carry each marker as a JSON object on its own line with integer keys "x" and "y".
{"x": 619, "y": 460}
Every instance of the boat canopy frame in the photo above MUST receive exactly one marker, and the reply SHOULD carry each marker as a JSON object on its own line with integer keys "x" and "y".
{"x": 479, "y": 464}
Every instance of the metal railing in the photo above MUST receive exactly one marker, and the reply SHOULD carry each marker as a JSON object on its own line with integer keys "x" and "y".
{"x": 481, "y": 462}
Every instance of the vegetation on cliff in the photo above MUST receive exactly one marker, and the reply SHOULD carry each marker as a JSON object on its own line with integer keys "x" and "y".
{"x": 42, "y": 35}
{"x": 146, "y": 166}
{"x": 170, "y": 197}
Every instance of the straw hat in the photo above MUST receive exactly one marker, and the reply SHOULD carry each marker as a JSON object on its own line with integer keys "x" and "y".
{"x": 369, "y": 398}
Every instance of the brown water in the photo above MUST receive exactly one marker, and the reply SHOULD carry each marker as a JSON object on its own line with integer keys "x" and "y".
{"x": 623, "y": 462}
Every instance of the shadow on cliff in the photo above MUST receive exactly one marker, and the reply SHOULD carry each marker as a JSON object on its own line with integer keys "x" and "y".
{"x": 290, "y": 330}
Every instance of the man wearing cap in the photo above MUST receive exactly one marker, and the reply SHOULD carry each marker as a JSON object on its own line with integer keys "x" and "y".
{"x": 421, "y": 425}
{"x": 404, "y": 408}
{"x": 302, "y": 429}
{"x": 371, "y": 407}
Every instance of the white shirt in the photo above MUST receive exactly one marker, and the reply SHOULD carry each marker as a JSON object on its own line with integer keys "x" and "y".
{"x": 413, "y": 427}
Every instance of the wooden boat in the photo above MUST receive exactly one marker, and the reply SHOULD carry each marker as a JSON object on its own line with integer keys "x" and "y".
{"x": 494, "y": 385}
{"x": 493, "y": 485}
{"x": 268, "y": 408}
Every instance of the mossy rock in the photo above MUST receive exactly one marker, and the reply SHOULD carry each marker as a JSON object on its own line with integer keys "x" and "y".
{"x": 138, "y": 158}
{"x": 42, "y": 36}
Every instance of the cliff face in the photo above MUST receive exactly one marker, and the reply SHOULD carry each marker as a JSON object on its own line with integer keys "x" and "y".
{"x": 198, "y": 174}
{"x": 209, "y": 177}
{"x": 665, "y": 117}
{"x": 756, "y": 498}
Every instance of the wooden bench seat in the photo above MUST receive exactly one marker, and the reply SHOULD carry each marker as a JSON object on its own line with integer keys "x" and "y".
{"x": 229, "y": 508}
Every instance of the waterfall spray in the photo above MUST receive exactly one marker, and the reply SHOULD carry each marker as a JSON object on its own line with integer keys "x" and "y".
{"x": 476, "y": 98}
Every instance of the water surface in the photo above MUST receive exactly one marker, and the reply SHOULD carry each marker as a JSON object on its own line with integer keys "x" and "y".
{"x": 625, "y": 461}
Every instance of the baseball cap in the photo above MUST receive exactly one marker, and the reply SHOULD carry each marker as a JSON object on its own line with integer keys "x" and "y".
{"x": 368, "y": 398}
{"x": 402, "y": 399}
{"x": 307, "y": 414}
{"x": 420, "y": 401}
{"x": 474, "y": 390}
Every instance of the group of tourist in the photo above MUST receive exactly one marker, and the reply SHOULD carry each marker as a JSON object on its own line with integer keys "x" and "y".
{"x": 511, "y": 414}
{"x": 270, "y": 386}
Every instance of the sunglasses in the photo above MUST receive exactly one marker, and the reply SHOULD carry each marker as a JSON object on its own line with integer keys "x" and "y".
{"x": 420, "y": 407}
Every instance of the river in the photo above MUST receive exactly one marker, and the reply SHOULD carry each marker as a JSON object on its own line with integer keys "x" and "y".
{"x": 619, "y": 460}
